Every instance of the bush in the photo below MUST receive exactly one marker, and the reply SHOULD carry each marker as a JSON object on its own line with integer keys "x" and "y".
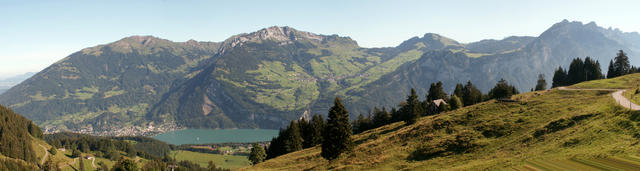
{"x": 495, "y": 128}
{"x": 53, "y": 151}
{"x": 464, "y": 142}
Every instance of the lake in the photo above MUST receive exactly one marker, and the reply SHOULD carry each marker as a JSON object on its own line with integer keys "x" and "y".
{"x": 208, "y": 136}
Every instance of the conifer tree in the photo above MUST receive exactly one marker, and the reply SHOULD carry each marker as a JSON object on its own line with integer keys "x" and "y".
{"x": 502, "y": 90}
{"x": 542, "y": 83}
{"x": 381, "y": 117}
{"x": 592, "y": 69}
{"x": 559, "y": 78}
{"x": 257, "y": 154}
{"x": 458, "y": 90}
{"x": 470, "y": 94}
{"x": 337, "y": 133}
{"x": 317, "y": 125}
{"x": 413, "y": 109}
{"x": 621, "y": 64}
{"x": 362, "y": 124}
{"x": 292, "y": 139}
{"x": 611, "y": 72}
{"x": 436, "y": 92}
{"x": 576, "y": 72}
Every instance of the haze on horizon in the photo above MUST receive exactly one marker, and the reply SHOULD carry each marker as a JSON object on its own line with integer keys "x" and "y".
{"x": 37, "y": 34}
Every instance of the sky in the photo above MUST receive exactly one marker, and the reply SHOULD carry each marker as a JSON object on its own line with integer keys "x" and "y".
{"x": 36, "y": 34}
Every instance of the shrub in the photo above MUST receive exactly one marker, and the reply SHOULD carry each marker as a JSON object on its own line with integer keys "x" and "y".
{"x": 463, "y": 142}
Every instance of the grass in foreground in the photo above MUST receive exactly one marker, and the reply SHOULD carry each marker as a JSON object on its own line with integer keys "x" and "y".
{"x": 224, "y": 161}
{"x": 543, "y": 127}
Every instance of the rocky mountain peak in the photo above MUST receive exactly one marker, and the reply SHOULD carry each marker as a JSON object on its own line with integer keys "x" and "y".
{"x": 281, "y": 34}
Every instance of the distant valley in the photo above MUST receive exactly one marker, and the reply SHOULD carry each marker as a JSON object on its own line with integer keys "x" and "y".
{"x": 7, "y": 83}
{"x": 144, "y": 85}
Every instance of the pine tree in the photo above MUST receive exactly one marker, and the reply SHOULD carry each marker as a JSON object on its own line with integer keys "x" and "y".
{"x": 257, "y": 154}
{"x": 621, "y": 64}
{"x": 611, "y": 72}
{"x": 576, "y": 72}
{"x": 381, "y": 118}
{"x": 542, "y": 83}
{"x": 337, "y": 133}
{"x": 455, "y": 102}
{"x": 458, "y": 91}
{"x": 559, "y": 78}
{"x": 362, "y": 124}
{"x": 318, "y": 124}
{"x": 502, "y": 89}
{"x": 470, "y": 94}
{"x": 436, "y": 92}
{"x": 292, "y": 140}
{"x": 592, "y": 69}
{"x": 413, "y": 109}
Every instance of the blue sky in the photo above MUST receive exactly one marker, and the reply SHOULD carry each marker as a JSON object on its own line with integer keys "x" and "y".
{"x": 35, "y": 34}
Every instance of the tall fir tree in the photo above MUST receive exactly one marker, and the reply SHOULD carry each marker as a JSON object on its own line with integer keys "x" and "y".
{"x": 611, "y": 71}
{"x": 559, "y": 78}
{"x": 576, "y": 72}
{"x": 592, "y": 69}
{"x": 293, "y": 139}
{"x": 621, "y": 65}
{"x": 318, "y": 123}
{"x": 470, "y": 94}
{"x": 502, "y": 90}
{"x": 277, "y": 147}
{"x": 436, "y": 92}
{"x": 413, "y": 109}
{"x": 458, "y": 92}
{"x": 337, "y": 133}
{"x": 542, "y": 83}
{"x": 381, "y": 117}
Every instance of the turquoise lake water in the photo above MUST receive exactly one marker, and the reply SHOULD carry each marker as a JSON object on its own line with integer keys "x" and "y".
{"x": 206, "y": 136}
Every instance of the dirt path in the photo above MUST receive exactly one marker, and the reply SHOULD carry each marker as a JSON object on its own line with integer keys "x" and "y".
{"x": 617, "y": 95}
{"x": 45, "y": 154}
{"x": 623, "y": 101}
{"x": 93, "y": 162}
{"x": 70, "y": 164}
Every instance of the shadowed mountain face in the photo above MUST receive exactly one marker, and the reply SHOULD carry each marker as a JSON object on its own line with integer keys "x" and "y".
{"x": 265, "y": 78}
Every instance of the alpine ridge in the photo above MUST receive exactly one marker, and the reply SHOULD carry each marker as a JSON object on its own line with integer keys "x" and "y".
{"x": 144, "y": 85}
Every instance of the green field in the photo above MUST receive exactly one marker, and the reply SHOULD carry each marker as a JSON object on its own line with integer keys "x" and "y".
{"x": 577, "y": 163}
{"x": 224, "y": 161}
{"x": 633, "y": 94}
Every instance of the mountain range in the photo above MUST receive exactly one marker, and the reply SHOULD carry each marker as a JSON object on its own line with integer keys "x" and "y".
{"x": 263, "y": 79}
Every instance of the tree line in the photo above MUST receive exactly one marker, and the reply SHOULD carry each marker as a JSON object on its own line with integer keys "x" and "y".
{"x": 109, "y": 147}
{"x": 589, "y": 69}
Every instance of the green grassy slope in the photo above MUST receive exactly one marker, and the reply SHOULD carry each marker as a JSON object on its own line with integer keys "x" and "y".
{"x": 543, "y": 127}
{"x": 224, "y": 161}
